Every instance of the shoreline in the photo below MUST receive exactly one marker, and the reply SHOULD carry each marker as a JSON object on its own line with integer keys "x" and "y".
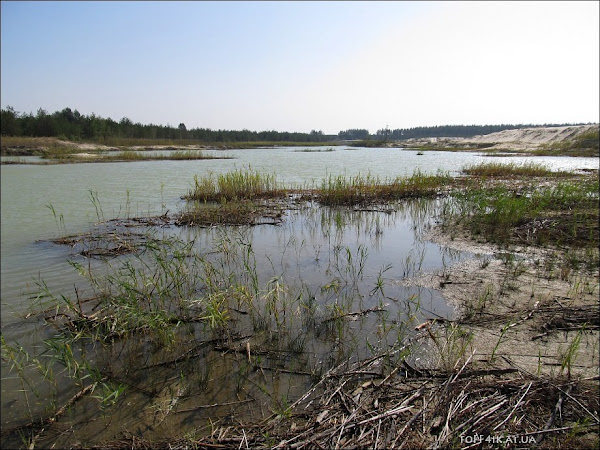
{"x": 526, "y": 334}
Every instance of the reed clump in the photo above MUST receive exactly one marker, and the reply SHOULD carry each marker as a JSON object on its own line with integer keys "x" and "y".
{"x": 360, "y": 189}
{"x": 179, "y": 155}
{"x": 241, "y": 184}
{"x": 315, "y": 150}
{"x": 529, "y": 169}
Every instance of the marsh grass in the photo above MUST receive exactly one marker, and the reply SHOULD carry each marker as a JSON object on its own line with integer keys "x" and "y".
{"x": 140, "y": 142}
{"x": 157, "y": 318}
{"x": 177, "y": 155}
{"x": 529, "y": 169}
{"x": 565, "y": 213}
{"x": 451, "y": 343}
{"x": 315, "y": 150}
{"x": 241, "y": 184}
{"x": 367, "y": 189}
{"x": 167, "y": 307}
{"x": 69, "y": 155}
{"x": 57, "y": 151}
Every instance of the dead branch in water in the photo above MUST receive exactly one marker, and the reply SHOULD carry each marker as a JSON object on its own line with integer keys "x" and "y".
{"x": 352, "y": 410}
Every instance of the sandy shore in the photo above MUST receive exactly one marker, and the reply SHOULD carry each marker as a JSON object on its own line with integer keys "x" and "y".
{"x": 512, "y": 140}
{"x": 522, "y": 310}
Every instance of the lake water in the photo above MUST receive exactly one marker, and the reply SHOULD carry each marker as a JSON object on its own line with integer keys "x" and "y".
{"x": 311, "y": 248}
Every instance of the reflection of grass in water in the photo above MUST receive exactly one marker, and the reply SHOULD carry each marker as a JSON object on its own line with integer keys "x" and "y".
{"x": 167, "y": 301}
{"x": 179, "y": 302}
{"x": 242, "y": 212}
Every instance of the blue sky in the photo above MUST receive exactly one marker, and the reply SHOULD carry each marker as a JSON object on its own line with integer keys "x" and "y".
{"x": 298, "y": 66}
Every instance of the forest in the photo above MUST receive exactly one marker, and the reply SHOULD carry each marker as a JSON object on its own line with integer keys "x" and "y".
{"x": 70, "y": 124}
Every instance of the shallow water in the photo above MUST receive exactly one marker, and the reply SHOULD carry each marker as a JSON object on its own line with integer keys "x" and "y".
{"x": 332, "y": 253}
{"x": 137, "y": 188}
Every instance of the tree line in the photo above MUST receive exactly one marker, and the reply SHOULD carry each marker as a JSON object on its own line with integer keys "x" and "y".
{"x": 72, "y": 125}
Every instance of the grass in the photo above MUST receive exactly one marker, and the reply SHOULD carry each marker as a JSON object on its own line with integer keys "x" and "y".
{"x": 565, "y": 213}
{"x": 234, "y": 186}
{"x": 529, "y": 169}
{"x": 155, "y": 310}
{"x": 161, "y": 314}
{"x": 134, "y": 142}
{"x": 313, "y": 150}
{"x": 585, "y": 144}
{"x": 67, "y": 155}
{"x": 360, "y": 189}
{"x": 179, "y": 155}
{"x": 28, "y": 142}
{"x": 249, "y": 184}
{"x": 57, "y": 149}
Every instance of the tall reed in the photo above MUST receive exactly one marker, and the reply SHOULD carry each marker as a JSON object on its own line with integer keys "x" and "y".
{"x": 240, "y": 184}
{"x": 364, "y": 189}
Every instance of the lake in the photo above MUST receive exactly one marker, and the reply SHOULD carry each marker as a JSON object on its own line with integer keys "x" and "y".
{"x": 326, "y": 255}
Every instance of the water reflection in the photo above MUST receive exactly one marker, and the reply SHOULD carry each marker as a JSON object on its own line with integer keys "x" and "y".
{"x": 318, "y": 290}
{"x": 278, "y": 306}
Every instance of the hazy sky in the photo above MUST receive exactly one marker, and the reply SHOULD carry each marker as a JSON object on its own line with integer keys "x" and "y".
{"x": 298, "y": 66}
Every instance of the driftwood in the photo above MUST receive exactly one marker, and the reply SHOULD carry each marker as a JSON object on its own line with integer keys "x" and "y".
{"x": 467, "y": 408}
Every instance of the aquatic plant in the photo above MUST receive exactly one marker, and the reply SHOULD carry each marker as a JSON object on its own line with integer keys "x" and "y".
{"x": 529, "y": 169}
{"x": 365, "y": 189}
{"x": 564, "y": 213}
{"x": 240, "y": 184}
{"x": 230, "y": 212}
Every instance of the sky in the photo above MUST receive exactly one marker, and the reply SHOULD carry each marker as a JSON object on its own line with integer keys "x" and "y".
{"x": 302, "y": 66}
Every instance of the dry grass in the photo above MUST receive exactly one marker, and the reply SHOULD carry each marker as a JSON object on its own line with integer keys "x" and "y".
{"x": 351, "y": 408}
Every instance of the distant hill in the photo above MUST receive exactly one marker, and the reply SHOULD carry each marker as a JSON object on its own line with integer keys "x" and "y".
{"x": 575, "y": 140}
{"x": 462, "y": 131}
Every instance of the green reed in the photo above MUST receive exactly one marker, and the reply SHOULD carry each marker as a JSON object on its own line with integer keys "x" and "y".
{"x": 529, "y": 169}
{"x": 241, "y": 184}
{"x": 178, "y": 155}
{"x": 365, "y": 189}
{"x": 565, "y": 213}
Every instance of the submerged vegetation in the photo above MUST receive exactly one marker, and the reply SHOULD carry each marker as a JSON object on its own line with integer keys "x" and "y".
{"x": 205, "y": 331}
